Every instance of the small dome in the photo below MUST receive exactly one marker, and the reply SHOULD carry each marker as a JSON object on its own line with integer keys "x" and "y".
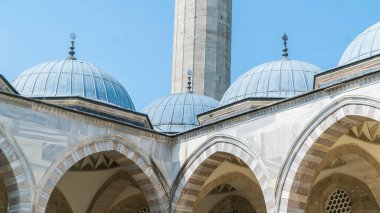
{"x": 276, "y": 79}
{"x": 178, "y": 112}
{"x": 365, "y": 45}
{"x": 69, "y": 78}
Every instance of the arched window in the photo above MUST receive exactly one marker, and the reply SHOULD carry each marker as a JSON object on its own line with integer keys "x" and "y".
{"x": 235, "y": 210}
{"x": 143, "y": 210}
{"x": 339, "y": 201}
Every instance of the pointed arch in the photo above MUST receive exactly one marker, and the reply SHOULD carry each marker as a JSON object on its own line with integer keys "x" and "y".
{"x": 114, "y": 185}
{"x": 250, "y": 186}
{"x": 132, "y": 160}
{"x": 352, "y": 149}
{"x": 203, "y": 162}
{"x": 357, "y": 189}
{"x": 233, "y": 203}
{"x": 311, "y": 146}
{"x": 135, "y": 203}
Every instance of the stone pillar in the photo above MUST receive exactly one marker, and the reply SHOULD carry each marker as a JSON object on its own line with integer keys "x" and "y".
{"x": 202, "y": 43}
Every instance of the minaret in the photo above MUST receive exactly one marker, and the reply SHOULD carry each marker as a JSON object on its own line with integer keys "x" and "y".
{"x": 202, "y": 43}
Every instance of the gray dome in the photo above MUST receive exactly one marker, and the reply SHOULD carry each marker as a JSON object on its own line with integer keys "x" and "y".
{"x": 365, "y": 45}
{"x": 71, "y": 77}
{"x": 276, "y": 79}
{"x": 178, "y": 112}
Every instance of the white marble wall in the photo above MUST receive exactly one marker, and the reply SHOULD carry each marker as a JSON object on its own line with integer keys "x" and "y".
{"x": 271, "y": 136}
{"x": 45, "y": 134}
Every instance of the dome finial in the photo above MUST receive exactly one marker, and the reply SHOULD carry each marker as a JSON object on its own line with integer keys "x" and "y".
{"x": 72, "y": 53}
{"x": 189, "y": 74}
{"x": 285, "y": 49}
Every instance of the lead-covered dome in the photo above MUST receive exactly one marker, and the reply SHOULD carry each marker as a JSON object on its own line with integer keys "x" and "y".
{"x": 72, "y": 77}
{"x": 365, "y": 45}
{"x": 178, "y": 112}
{"x": 276, "y": 79}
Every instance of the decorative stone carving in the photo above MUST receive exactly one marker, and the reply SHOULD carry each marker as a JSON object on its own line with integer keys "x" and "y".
{"x": 335, "y": 163}
{"x": 339, "y": 201}
{"x": 341, "y": 193}
{"x": 367, "y": 131}
{"x": 98, "y": 161}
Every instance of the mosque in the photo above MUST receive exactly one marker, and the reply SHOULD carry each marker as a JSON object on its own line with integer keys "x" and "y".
{"x": 286, "y": 136}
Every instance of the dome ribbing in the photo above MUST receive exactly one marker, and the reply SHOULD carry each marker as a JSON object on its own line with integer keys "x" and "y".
{"x": 69, "y": 78}
{"x": 276, "y": 79}
{"x": 365, "y": 45}
{"x": 178, "y": 112}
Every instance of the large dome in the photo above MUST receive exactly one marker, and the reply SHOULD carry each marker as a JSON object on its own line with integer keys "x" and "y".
{"x": 277, "y": 79}
{"x": 178, "y": 112}
{"x": 72, "y": 77}
{"x": 365, "y": 45}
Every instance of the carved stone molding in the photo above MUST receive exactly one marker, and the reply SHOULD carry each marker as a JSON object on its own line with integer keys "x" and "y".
{"x": 98, "y": 161}
{"x": 367, "y": 131}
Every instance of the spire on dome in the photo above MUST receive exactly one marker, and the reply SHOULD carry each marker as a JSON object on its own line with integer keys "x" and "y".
{"x": 285, "y": 49}
{"x": 189, "y": 74}
{"x": 72, "y": 53}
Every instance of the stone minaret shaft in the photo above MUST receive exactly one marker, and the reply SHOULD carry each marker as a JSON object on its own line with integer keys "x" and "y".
{"x": 202, "y": 43}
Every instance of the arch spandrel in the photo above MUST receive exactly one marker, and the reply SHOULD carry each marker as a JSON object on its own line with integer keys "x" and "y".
{"x": 141, "y": 169}
{"x": 43, "y": 132}
{"x": 314, "y": 142}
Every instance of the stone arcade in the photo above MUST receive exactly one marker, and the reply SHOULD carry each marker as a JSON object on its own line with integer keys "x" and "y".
{"x": 285, "y": 137}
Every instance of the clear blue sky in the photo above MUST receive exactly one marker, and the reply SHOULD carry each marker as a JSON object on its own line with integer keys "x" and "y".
{"x": 132, "y": 39}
